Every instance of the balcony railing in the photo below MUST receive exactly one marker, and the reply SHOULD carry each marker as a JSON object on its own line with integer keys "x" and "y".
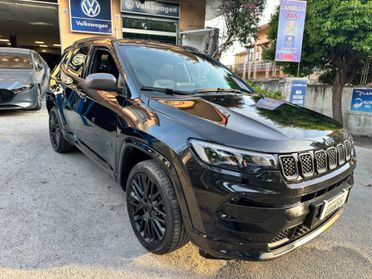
{"x": 258, "y": 70}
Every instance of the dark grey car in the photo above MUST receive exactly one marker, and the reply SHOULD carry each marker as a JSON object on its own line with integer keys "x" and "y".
{"x": 24, "y": 77}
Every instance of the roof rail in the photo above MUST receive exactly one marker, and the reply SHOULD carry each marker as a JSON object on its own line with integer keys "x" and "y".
{"x": 101, "y": 38}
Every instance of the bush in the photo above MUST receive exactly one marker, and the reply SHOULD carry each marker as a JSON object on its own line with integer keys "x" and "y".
{"x": 271, "y": 94}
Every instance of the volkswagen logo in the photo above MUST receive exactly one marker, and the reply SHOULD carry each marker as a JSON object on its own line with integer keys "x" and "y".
{"x": 90, "y": 8}
{"x": 129, "y": 4}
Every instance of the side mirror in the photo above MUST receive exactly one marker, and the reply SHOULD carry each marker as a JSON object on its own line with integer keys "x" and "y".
{"x": 101, "y": 81}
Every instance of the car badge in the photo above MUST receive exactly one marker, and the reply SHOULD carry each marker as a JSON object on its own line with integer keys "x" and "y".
{"x": 328, "y": 141}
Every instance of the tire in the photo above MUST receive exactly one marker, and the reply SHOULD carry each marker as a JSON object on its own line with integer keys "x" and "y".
{"x": 153, "y": 209}
{"x": 59, "y": 143}
{"x": 39, "y": 100}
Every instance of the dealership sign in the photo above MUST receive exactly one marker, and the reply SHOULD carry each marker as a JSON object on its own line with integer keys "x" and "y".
{"x": 91, "y": 16}
{"x": 155, "y": 8}
{"x": 290, "y": 31}
{"x": 362, "y": 100}
{"x": 298, "y": 92}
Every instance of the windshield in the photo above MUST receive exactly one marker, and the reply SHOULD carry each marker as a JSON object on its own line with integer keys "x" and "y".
{"x": 175, "y": 68}
{"x": 15, "y": 61}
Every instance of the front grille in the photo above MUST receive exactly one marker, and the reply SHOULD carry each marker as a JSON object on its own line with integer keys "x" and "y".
{"x": 321, "y": 161}
{"x": 292, "y": 234}
{"x": 341, "y": 154}
{"x": 289, "y": 166}
{"x": 308, "y": 164}
{"x": 321, "y": 192}
{"x": 332, "y": 157}
{"x": 5, "y": 96}
{"x": 281, "y": 236}
{"x": 347, "y": 150}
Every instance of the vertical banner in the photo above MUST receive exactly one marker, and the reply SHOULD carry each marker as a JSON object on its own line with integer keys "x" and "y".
{"x": 290, "y": 31}
{"x": 298, "y": 92}
{"x": 362, "y": 100}
{"x": 91, "y": 16}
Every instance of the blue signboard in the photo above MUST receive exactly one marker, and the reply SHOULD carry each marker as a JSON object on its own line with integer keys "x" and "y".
{"x": 91, "y": 16}
{"x": 298, "y": 92}
{"x": 155, "y": 8}
{"x": 362, "y": 100}
{"x": 290, "y": 31}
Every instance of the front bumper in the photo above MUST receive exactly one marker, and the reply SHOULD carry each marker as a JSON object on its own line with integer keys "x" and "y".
{"x": 24, "y": 100}
{"x": 246, "y": 217}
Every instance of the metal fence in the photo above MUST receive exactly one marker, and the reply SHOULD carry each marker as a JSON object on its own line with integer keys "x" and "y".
{"x": 257, "y": 70}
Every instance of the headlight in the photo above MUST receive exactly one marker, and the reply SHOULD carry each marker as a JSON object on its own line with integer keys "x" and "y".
{"x": 22, "y": 89}
{"x": 232, "y": 158}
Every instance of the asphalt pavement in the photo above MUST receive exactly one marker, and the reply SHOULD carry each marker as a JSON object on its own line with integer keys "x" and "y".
{"x": 61, "y": 216}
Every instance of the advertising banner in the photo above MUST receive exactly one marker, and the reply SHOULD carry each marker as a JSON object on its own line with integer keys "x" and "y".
{"x": 298, "y": 92}
{"x": 91, "y": 16}
{"x": 361, "y": 100}
{"x": 155, "y": 8}
{"x": 290, "y": 31}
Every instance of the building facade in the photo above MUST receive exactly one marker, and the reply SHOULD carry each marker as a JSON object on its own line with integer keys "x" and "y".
{"x": 133, "y": 19}
{"x": 49, "y": 26}
{"x": 250, "y": 65}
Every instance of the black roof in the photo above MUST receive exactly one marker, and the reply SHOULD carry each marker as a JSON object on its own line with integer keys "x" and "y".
{"x": 111, "y": 40}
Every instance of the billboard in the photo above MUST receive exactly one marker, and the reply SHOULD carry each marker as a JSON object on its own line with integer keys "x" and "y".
{"x": 155, "y": 8}
{"x": 361, "y": 100}
{"x": 91, "y": 16}
{"x": 298, "y": 92}
{"x": 290, "y": 31}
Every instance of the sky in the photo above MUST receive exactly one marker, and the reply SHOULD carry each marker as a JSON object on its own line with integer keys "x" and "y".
{"x": 228, "y": 58}
{"x": 269, "y": 10}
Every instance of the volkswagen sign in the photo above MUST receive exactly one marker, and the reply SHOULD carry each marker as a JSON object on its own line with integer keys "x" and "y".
{"x": 149, "y": 7}
{"x": 91, "y": 16}
{"x": 90, "y": 8}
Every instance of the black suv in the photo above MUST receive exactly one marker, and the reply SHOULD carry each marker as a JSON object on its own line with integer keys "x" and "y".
{"x": 200, "y": 155}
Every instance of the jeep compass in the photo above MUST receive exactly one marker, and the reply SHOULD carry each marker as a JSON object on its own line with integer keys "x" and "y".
{"x": 201, "y": 156}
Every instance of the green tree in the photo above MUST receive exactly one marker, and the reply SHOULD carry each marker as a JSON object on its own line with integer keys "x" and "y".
{"x": 337, "y": 42}
{"x": 241, "y": 18}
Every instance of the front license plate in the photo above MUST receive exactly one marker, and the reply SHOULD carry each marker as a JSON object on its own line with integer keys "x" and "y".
{"x": 334, "y": 204}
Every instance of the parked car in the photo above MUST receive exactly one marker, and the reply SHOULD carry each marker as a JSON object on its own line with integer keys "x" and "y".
{"x": 24, "y": 78}
{"x": 200, "y": 155}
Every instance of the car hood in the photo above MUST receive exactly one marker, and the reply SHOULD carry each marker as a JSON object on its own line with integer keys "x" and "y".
{"x": 11, "y": 79}
{"x": 253, "y": 122}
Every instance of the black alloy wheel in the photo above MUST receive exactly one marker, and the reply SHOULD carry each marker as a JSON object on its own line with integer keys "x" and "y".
{"x": 153, "y": 209}
{"x": 59, "y": 143}
{"x": 148, "y": 209}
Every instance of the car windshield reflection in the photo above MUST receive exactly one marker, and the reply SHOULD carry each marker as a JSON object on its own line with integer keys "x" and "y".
{"x": 177, "y": 69}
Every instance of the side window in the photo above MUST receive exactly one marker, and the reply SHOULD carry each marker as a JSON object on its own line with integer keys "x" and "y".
{"x": 103, "y": 62}
{"x": 66, "y": 57}
{"x": 42, "y": 61}
{"x": 77, "y": 62}
{"x": 37, "y": 60}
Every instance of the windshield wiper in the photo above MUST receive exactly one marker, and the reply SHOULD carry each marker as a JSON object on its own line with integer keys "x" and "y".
{"x": 168, "y": 91}
{"x": 219, "y": 90}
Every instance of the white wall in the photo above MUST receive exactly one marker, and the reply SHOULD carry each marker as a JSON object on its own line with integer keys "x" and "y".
{"x": 319, "y": 98}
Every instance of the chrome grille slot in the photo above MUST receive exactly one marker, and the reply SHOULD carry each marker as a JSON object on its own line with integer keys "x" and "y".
{"x": 321, "y": 161}
{"x": 347, "y": 150}
{"x": 341, "y": 154}
{"x": 289, "y": 166}
{"x": 307, "y": 164}
{"x": 332, "y": 158}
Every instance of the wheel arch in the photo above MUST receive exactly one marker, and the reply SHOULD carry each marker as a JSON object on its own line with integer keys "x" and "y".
{"x": 143, "y": 152}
